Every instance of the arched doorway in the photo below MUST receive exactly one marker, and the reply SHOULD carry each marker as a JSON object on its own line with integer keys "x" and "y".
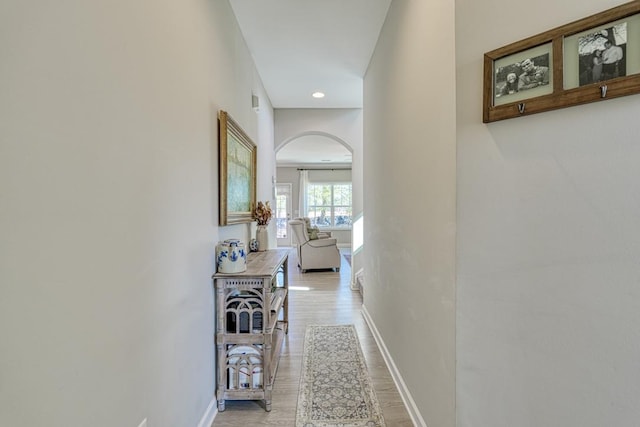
{"x": 316, "y": 151}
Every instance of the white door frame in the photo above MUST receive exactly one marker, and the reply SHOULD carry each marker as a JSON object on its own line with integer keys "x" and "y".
{"x": 284, "y": 241}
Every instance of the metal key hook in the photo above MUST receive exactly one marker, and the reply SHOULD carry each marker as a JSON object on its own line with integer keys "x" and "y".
{"x": 521, "y": 107}
{"x": 603, "y": 91}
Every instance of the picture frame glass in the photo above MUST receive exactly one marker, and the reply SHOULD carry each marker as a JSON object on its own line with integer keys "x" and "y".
{"x": 602, "y": 53}
{"x": 523, "y": 75}
{"x": 238, "y": 175}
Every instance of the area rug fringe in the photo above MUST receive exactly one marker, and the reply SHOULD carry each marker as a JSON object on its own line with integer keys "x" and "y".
{"x": 335, "y": 387}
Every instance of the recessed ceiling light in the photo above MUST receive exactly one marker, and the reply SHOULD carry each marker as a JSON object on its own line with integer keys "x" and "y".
{"x": 317, "y": 95}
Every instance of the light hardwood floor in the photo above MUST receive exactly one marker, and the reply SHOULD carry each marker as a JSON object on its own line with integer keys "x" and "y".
{"x": 318, "y": 298}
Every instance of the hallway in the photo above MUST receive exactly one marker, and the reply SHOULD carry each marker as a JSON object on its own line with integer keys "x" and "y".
{"x": 322, "y": 297}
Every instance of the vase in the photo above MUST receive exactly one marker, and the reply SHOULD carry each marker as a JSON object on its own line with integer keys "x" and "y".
{"x": 231, "y": 257}
{"x": 262, "y": 236}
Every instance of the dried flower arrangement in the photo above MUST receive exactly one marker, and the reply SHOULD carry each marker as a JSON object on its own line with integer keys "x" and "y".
{"x": 262, "y": 213}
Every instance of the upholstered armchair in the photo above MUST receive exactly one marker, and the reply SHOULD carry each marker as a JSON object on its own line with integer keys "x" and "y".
{"x": 313, "y": 231}
{"x": 314, "y": 254}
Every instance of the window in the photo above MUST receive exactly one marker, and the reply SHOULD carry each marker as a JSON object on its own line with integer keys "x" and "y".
{"x": 329, "y": 205}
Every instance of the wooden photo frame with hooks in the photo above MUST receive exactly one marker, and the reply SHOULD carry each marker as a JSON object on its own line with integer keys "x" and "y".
{"x": 589, "y": 60}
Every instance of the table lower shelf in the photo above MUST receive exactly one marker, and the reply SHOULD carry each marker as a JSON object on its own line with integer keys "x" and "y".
{"x": 252, "y": 388}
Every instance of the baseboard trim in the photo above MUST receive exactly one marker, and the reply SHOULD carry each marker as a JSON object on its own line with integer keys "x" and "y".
{"x": 209, "y": 414}
{"x": 356, "y": 284}
{"x": 407, "y": 399}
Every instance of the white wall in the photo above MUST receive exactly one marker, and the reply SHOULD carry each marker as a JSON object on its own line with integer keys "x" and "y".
{"x": 409, "y": 202}
{"x": 108, "y": 217}
{"x": 548, "y": 272}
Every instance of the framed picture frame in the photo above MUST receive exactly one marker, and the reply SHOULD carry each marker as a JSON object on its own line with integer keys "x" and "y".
{"x": 237, "y": 172}
{"x": 523, "y": 75}
{"x": 600, "y": 54}
{"x": 589, "y": 60}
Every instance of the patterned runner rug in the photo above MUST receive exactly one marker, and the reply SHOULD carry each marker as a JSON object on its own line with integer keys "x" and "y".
{"x": 335, "y": 388}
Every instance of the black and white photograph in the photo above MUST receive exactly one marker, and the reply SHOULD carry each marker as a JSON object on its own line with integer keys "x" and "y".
{"x": 602, "y": 54}
{"x": 521, "y": 76}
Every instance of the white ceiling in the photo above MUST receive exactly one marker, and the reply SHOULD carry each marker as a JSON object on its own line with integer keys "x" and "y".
{"x": 303, "y": 46}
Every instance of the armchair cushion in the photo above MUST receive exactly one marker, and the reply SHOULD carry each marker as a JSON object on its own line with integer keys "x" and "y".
{"x": 313, "y": 233}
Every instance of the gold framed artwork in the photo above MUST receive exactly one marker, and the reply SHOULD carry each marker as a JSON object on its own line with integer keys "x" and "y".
{"x": 592, "y": 59}
{"x": 237, "y": 172}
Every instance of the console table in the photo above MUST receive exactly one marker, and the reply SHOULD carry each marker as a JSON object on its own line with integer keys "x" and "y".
{"x": 251, "y": 321}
